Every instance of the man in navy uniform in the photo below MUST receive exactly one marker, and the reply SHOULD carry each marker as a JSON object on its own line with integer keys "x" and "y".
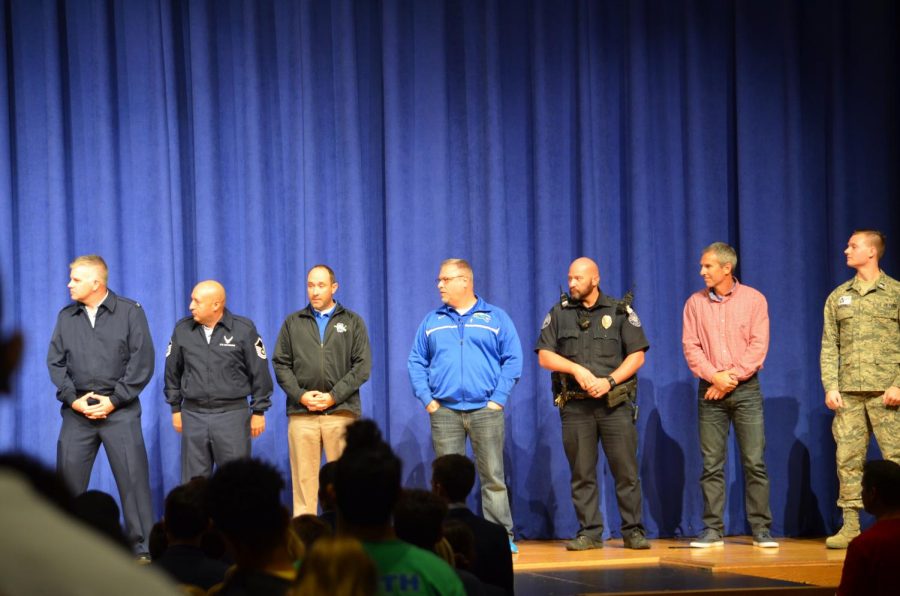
{"x": 215, "y": 359}
{"x": 100, "y": 358}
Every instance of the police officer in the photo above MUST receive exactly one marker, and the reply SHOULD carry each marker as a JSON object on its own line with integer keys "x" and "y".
{"x": 214, "y": 361}
{"x": 100, "y": 358}
{"x": 596, "y": 343}
{"x": 860, "y": 364}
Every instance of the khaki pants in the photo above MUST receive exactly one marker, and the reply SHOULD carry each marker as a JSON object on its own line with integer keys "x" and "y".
{"x": 307, "y": 434}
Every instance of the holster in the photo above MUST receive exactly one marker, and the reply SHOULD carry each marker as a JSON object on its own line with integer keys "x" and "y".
{"x": 565, "y": 387}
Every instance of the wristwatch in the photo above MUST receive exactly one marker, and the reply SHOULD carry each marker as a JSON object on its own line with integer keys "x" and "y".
{"x": 612, "y": 381}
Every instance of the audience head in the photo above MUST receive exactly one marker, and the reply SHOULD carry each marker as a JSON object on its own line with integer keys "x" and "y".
{"x": 462, "y": 540}
{"x": 881, "y": 487}
{"x": 186, "y": 517}
{"x": 419, "y": 517}
{"x": 157, "y": 543}
{"x": 337, "y": 565}
{"x": 244, "y": 502}
{"x": 326, "y": 486}
{"x": 100, "y": 511}
{"x": 367, "y": 478}
{"x": 452, "y": 477}
{"x": 309, "y": 528}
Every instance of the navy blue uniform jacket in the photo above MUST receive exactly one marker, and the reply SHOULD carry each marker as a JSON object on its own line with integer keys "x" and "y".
{"x": 114, "y": 357}
{"x": 219, "y": 374}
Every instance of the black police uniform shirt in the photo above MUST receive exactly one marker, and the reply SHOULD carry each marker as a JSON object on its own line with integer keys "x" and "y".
{"x": 603, "y": 345}
{"x": 114, "y": 357}
{"x": 221, "y": 373}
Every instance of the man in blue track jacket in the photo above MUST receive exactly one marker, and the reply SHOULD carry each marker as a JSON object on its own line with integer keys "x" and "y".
{"x": 463, "y": 365}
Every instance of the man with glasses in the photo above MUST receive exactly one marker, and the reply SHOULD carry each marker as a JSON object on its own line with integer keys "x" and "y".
{"x": 464, "y": 362}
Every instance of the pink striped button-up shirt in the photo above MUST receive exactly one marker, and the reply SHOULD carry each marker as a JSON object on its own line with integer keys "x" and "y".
{"x": 731, "y": 334}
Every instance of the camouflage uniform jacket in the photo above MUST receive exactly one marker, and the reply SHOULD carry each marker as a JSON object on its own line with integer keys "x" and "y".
{"x": 861, "y": 337}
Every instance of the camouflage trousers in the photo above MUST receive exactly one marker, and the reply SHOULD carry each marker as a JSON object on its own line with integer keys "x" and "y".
{"x": 863, "y": 413}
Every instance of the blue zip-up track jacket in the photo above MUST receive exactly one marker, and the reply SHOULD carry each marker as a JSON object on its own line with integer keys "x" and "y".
{"x": 464, "y": 361}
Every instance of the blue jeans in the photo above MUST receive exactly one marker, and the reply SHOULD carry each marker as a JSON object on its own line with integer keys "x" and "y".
{"x": 743, "y": 407}
{"x": 486, "y": 430}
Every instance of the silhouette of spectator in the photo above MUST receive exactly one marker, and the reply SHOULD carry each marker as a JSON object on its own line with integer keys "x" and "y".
{"x": 870, "y": 567}
{"x": 418, "y": 519}
{"x": 326, "y": 494}
{"x": 337, "y": 565}
{"x": 186, "y": 520}
{"x": 310, "y": 528}
{"x": 367, "y": 486}
{"x": 244, "y": 502}
{"x": 452, "y": 477}
{"x": 99, "y": 510}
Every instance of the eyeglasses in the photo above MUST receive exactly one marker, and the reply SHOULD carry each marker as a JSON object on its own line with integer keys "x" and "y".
{"x": 446, "y": 280}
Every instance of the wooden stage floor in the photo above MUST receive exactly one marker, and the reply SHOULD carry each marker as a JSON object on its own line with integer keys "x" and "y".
{"x": 798, "y": 566}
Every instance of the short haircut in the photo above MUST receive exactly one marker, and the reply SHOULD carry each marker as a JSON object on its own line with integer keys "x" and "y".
{"x": 884, "y": 476}
{"x": 92, "y": 261}
{"x": 724, "y": 253}
{"x": 456, "y": 473}
{"x": 367, "y": 477}
{"x": 326, "y": 268}
{"x": 419, "y": 518}
{"x": 186, "y": 516}
{"x": 461, "y": 264}
{"x": 876, "y": 240}
{"x": 244, "y": 502}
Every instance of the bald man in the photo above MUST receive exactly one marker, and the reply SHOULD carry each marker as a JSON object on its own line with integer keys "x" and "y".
{"x": 213, "y": 362}
{"x": 593, "y": 343}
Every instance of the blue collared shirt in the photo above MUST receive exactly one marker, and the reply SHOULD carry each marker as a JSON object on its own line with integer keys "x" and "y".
{"x": 322, "y": 318}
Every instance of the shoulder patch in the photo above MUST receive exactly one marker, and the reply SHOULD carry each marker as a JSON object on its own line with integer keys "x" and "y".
{"x": 547, "y": 321}
{"x": 260, "y": 348}
{"x": 633, "y": 317}
{"x": 169, "y": 348}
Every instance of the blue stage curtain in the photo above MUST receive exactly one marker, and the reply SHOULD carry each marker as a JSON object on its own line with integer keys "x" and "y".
{"x": 247, "y": 141}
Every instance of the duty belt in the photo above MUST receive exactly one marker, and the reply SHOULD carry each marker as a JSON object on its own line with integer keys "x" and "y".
{"x": 565, "y": 388}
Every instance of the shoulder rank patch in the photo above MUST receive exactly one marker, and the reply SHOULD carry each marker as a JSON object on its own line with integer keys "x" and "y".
{"x": 633, "y": 318}
{"x": 845, "y": 300}
{"x": 169, "y": 348}
{"x": 260, "y": 348}
{"x": 546, "y": 322}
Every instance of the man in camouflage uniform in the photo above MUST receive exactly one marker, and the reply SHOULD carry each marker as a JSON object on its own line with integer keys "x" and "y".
{"x": 860, "y": 363}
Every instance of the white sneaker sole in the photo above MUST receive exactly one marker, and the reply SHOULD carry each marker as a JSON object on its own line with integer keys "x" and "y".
{"x": 767, "y": 544}
{"x": 707, "y": 544}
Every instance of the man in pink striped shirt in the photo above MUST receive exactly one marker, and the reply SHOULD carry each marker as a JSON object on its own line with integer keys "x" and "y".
{"x": 725, "y": 340}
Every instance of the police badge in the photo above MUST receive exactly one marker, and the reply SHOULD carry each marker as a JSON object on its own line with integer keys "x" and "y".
{"x": 606, "y": 321}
